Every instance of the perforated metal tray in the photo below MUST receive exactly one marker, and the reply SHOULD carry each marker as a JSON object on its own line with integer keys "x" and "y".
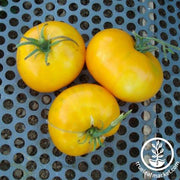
{"x": 26, "y": 150}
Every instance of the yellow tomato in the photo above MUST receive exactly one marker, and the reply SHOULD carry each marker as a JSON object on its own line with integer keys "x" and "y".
{"x": 114, "y": 62}
{"x": 50, "y": 56}
{"x": 81, "y": 117}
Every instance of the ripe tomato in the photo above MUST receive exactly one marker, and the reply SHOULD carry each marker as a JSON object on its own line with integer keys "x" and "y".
{"x": 81, "y": 117}
{"x": 114, "y": 62}
{"x": 50, "y": 56}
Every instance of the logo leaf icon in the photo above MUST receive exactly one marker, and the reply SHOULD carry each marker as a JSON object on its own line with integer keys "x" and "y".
{"x": 153, "y": 145}
{"x": 161, "y": 151}
{"x": 154, "y": 152}
{"x": 157, "y": 143}
{"x": 160, "y": 145}
{"x": 160, "y": 156}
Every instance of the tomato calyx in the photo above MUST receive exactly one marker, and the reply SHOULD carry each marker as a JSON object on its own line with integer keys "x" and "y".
{"x": 144, "y": 44}
{"x": 94, "y": 134}
{"x": 43, "y": 45}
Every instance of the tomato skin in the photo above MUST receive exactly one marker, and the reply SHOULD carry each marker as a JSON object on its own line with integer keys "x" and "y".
{"x": 66, "y": 59}
{"x": 128, "y": 74}
{"x": 71, "y": 112}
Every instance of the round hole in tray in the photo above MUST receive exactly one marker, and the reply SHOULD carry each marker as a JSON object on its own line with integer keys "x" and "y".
{"x": 31, "y": 150}
{"x": 108, "y": 166}
{"x": 44, "y": 128}
{"x": 134, "y": 137}
{"x": 173, "y": 31}
{"x": 167, "y": 88}
{"x": 4, "y": 165}
{"x": 7, "y": 118}
{"x": 11, "y": 61}
{"x": 108, "y": 178}
{"x": 122, "y": 130}
{"x": 3, "y": 14}
{"x": 84, "y": 2}
{"x": 84, "y": 12}
{"x": 107, "y": 2}
{"x": 14, "y": 9}
{"x": 177, "y": 123}
{"x": 39, "y": 1}
{"x": 121, "y": 175}
{"x": 1, "y": 53}
{"x": 95, "y": 30}
{"x": 56, "y": 152}
{"x": 134, "y": 152}
{"x": 31, "y": 165}
{"x": 121, "y": 145}
{"x": 30, "y": 178}
{"x": 133, "y": 122}
{"x": 83, "y": 166}
{"x": 37, "y": 12}
{"x": 73, "y": 6}
{"x": 18, "y": 173}
{"x": 96, "y": 7}
{"x": 32, "y": 135}
{"x": 33, "y": 105}
{"x": 2, "y": 27}
{"x": 61, "y": 2}
{"x": 44, "y": 158}
{"x": 44, "y": 174}
{"x": 109, "y": 138}
{"x": 57, "y": 166}
{"x": 50, "y": 6}
{"x": 96, "y": 159}
{"x": 20, "y": 112}
{"x": 56, "y": 178}
{"x": 33, "y": 120}
{"x": 27, "y": 5}
{"x": 5, "y": 149}
{"x": 13, "y": 22}
{"x": 173, "y": 175}
{"x": 10, "y": 75}
{"x": 6, "y": 134}
{"x": 20, "y": 127}
{"x": 108, "y": 152}
{"x": 21, "y": 84}
{"x": 121, "y": 159}
{"x": 44, "y": 143}
{"x": 70, "y": 159}
{"x": 61, "y": 12}
{"x": 70, "y": 174}
{"x": 44, "y": 113}
{"x": 21, "y": 98}
{"x": 49, "y": 18}
{"x": 2, "y": 40}
{"x": 73, "y": 19}
{"x": 133, "y": 167}
{"x": 95, "y": 174}
{"x": 18, "y": 158}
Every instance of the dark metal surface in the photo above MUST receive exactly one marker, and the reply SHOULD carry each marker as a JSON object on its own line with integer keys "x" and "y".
{"x": 26, "y": 150}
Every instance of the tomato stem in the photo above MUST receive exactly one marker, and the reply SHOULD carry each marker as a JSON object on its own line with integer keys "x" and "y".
{"x": 95, "y": 134}
{"x": 144, "y": 44}
{"x": 113, "y": 124}
{"x": 42, "y": 44}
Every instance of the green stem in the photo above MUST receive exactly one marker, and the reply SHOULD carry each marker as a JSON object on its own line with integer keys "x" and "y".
{"x": 42, "y": 44}
{"x": 113, "y": 124}
{"x": 143, "y": 44}
{"x": 94, "y": 134}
